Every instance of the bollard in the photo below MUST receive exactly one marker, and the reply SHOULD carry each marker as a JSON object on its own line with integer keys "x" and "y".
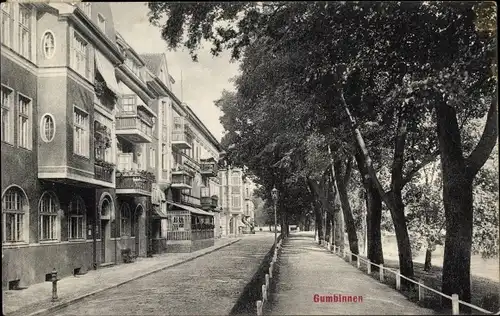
{"x": 358, "y": 262}
{"x": 54, "y": 285}
{"x": 398, "y": 280}
{"x": 369, "y": 267}
{"x": 267, "y": 281}
{"x": 264, "y": 293}
{"x": 350, "y": 258}
{"x": 381, "y": 272}
{"x": 421, "y": 294}
{"x": 259, "y": 308}
{"x": 271, "y": 270}
{"x": 455, "y": 305}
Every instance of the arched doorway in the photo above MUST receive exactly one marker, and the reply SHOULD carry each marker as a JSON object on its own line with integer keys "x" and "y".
{"x": 106, "y": 213}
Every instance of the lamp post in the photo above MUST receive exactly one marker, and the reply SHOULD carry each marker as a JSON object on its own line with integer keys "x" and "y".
{"x": 274, "y": 195}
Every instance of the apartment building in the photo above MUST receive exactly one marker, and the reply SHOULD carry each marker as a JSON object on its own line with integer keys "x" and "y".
{"x": 233, "y": 200}
{"x": 249, "y": 206}
{"x": 92, "y": 139}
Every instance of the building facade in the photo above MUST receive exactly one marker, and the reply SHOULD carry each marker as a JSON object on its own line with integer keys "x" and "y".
{"x": 93, "y": 142}
{"x": 249, "y": 206}
{"x": 237, "y": 207}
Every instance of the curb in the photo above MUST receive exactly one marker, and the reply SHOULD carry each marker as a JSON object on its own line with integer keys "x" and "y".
{"x": 81, "y": 297}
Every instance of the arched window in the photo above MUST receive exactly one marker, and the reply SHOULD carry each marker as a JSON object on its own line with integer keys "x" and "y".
{"x": 49, "y": 217}
{"x": 125, "y": 221}
{"x": 76, "y": 221}
{"x": 15, "y": 213}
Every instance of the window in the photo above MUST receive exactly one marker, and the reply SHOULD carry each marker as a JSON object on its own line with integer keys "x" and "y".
{"x": 101, "y": 22}
{"x": 76, "y": 223}
{"x": 164, "y": 110}
{"x": 102, "y": 138}
{"x": 7, "y": 23}
{"x": 24, "y": 40}
{"x": 48, "y": 44}
{"x": 15, "y": 215}
{"x": 164, "y": 133}
{"x": 125, "y": 222}
{"x": 80, "y": 61}
{"x": 7, "y": 112}
{"x": 235, "y": 179}
{"x": 164, "y": 156}
{"x": 80, "y": 133}
{"x": 128, "y": 103}
{"x": 178, "y": 223}
{"x": 235, "y": 189}
{"x": 236, "y": 201}
{"x": 47, "y": 128}
{"x": 24, "y": 132}
{"x": 49, "y": 217}
{"x": 152, "y": 157}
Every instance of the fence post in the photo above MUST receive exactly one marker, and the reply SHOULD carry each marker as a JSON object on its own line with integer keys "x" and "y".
{"x": 267, "y": 281}
{"x": 369, "y": 267}
{"x": 455, "y": 305}
{"x": 271, "y": 270}
{"x": 358, "y": 262}
{"x": 381, "y": 272}
{"x": 343, "y": 253}
{"x": 421, "y": 293}
{"x": 259, "y": 308}
{"x": 398, "y": 280}
{"x": 264, "y": 293}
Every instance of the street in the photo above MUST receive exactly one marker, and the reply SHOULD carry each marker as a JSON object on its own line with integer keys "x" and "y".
{"x": 208, "y": 285}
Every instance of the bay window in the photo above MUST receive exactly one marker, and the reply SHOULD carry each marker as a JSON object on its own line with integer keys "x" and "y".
{"x": 80, "y": 133}
{"x": 80, "y": 56}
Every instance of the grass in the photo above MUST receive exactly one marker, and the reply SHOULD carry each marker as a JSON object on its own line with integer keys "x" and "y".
{"x": 484, "y": 292}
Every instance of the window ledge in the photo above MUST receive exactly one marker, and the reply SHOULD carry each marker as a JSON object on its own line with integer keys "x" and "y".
{"x": 49, "y": 242}
{"x": 77, "y": 240}
{"x": 13, "y": 245}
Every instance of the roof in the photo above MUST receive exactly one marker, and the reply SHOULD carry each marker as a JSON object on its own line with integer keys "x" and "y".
{"x": 153, "y": 62}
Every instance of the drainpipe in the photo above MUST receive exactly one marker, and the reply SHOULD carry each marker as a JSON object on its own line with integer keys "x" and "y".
{"x": 94, "y": 238}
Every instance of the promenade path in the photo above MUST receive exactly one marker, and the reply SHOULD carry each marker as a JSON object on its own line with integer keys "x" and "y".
{"x": 306, "y": 269}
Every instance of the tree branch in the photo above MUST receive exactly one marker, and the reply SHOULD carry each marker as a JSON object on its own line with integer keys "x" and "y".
{"x": 488, "y": 140}
{"x": 427, "y": 160}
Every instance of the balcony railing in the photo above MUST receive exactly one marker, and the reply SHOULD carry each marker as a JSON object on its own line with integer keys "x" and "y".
{"x": 190, "y": 200}
{"x": 181, "y": 140}
{"x": 202, "y": 234}
{"x": 134, "y": 182}
{"x": 103, "y": 173}
{"x": 183, "y": 181}
{"x": 209, "y": 169}
{"x": 209, "y": 202}
{"x": 134, "y": 128}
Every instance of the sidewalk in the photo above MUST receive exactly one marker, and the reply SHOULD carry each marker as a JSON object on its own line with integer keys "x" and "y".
{"x": 305, "y": 269}
{"x": 37, "y": 298}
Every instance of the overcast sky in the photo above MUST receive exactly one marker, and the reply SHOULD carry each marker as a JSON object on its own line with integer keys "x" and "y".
{"x": 202, "y": 81}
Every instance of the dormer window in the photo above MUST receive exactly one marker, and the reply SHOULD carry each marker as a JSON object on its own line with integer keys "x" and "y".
{"x": 135, "y": 67}
{"x": 87, "y": 8}
{"x": 101, "y": 22}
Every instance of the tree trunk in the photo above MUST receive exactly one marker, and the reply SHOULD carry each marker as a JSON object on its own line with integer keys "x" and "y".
{"x": 373, "y": 214}
{"x": 346, "y": 209}
{"x": 428, "y": 259}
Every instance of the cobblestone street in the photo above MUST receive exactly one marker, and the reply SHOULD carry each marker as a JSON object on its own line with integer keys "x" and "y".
{"x": 209, "y": 285}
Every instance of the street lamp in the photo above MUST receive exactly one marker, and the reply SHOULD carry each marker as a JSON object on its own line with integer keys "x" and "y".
{"x": 274, "y": 195}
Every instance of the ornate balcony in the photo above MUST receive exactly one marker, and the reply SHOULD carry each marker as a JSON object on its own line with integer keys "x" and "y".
{"x": 134, "y": 182}
{"x": 103, "y": 171}
{"x": 182, "y": 181}
{"x": 134, "y": 128}
{"x": 180, "y": 136}
{"x": 209, "y": 168}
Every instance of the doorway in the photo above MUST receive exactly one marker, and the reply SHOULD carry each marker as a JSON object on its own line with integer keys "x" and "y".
{"x": 105, "y": 230}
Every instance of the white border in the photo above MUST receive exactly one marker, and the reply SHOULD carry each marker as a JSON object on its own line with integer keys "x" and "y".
{"x": 43, "y": 46}
{"x": 42, "y": 134}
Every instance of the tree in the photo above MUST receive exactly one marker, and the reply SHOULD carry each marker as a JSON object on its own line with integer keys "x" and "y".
{"x": 438, "y": 69}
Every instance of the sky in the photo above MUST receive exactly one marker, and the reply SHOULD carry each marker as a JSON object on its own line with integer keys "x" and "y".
{"x": 202, "y": 81}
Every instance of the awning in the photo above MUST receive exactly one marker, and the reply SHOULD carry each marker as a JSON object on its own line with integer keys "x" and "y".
{"x": 107, "y": 71}
{"x": 193, "y": 210}
{"x": 157, "y": 211}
